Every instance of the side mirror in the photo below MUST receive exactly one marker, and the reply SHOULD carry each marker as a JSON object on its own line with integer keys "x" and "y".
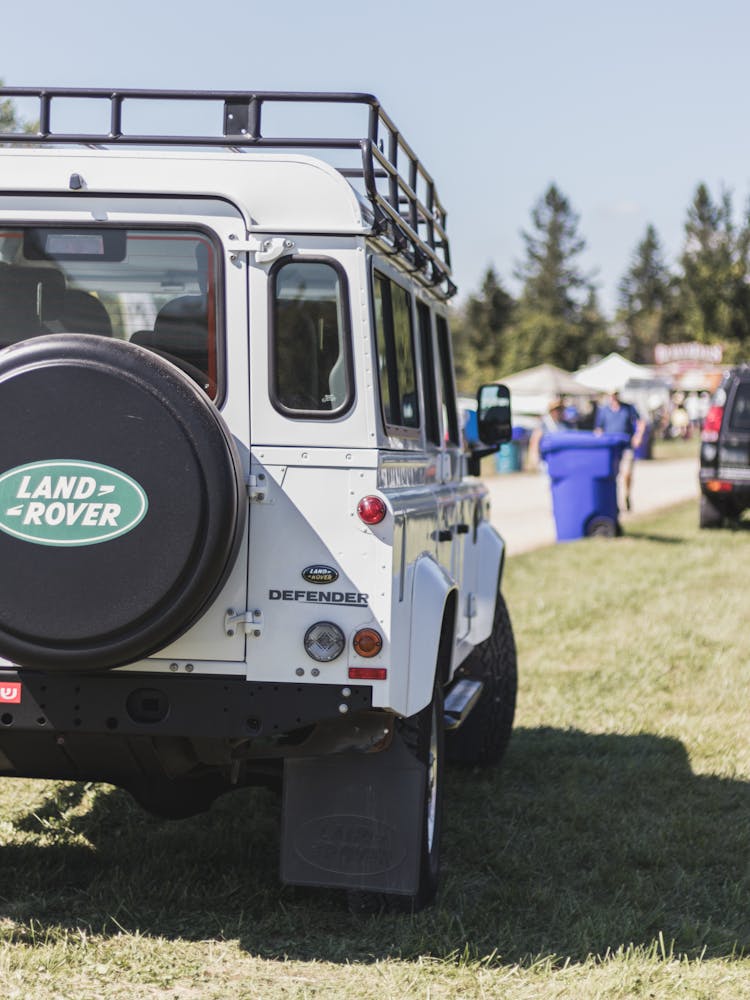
{"x": 493, "y": 414}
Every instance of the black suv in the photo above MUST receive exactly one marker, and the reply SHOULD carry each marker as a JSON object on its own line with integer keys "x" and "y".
{"x": 725, "y": 451}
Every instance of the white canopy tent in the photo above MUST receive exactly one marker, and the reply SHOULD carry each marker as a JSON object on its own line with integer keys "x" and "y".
{"x": 638, "y": 384}
{"x": 533, "y": 389}
{"x": 613, "y": 373}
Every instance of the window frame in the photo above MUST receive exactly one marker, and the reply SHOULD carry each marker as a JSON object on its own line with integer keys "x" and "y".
{"x": 294, "y": 413}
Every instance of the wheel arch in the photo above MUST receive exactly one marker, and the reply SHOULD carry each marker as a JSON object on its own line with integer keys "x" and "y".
{"x": 433, "y": 630}
{"x": 491, "y": 562}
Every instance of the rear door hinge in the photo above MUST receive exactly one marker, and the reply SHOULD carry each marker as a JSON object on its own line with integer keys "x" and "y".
{"x": 257, "y": 488}
{"x": 266, "y": 250}
{"x": 250, "y": 622}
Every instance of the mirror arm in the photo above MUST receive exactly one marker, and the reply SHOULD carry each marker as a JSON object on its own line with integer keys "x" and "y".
{"x": 476, "y": 453}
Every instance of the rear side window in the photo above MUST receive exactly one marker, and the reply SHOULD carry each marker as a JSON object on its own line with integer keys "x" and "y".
{"x": 450, "y": 413}
{"x": 153, "y": 287}
{"x": 395, "y": 347}
{"x": 739, "y": 419}
{"x": 310, "y": 359}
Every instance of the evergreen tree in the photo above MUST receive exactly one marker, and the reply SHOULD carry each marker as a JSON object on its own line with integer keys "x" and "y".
{"x": 648, "y": 312}
{"x": 479, "y": 334}
{"x": 714, "y": 283}
{"x": 11, "y": 121}
{"x": 551, "y": 321}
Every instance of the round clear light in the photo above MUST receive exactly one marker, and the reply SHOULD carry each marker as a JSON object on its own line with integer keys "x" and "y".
{"x": 324, "y": 641}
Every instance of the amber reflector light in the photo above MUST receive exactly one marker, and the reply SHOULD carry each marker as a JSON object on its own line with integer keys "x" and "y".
{"x": 368, "y": 642}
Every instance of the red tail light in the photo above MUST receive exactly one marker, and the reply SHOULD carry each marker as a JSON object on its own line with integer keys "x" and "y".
{"x": 712, "y": 424}
{"x": 368, "y": 673}
{"x": 371, "y": 510}
{"x": 718, "y": 486}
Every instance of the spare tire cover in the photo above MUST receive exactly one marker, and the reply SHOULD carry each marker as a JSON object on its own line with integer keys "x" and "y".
{"x": 122, "y": 502}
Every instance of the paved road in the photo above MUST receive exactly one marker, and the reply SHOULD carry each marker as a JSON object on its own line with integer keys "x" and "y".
{"x": 522, "y": 503}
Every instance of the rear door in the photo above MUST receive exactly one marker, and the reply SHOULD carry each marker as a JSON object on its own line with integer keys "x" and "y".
{"x": 159, "y": 277}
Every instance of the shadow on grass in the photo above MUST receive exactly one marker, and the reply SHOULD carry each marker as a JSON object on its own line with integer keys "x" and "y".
{"x": 646, "y": 537}
{"x": 582, "y": 843}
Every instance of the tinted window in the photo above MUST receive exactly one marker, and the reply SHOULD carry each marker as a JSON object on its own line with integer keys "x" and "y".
{"x": 432, "y": 413}
{"x": 309, "y": 355}
{"x": 447, "y": 383}
{"x": 739, "y": 419}
{"x": 395, "y": 346}
{"x": 156, "y": 288}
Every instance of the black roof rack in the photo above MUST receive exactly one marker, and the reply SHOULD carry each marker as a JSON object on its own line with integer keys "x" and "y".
{"x": 407, "y": 212}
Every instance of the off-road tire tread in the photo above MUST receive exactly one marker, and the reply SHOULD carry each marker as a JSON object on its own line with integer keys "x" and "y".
{"x": 710, "y": 515}
{"x": 483, "y": 738}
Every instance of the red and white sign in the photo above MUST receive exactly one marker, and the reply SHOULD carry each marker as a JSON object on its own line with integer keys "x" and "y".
{"x": 10, "y": 694}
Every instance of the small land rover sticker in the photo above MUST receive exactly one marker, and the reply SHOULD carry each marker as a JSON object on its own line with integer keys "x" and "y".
{"x": 319, "y": 574}
{"x": 69, "y": 503}
{"x": 10, "y": 694}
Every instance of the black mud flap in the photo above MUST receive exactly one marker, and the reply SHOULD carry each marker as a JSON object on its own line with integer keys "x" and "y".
{"x": 354, "y": 820}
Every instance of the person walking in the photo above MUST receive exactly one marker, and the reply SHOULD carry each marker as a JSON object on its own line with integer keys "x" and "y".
{"x": 552, "y": 422}
{"x": 618, "y": 417}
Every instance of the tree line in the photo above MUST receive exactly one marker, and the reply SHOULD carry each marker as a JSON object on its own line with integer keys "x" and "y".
{"x": 556, "y": 318}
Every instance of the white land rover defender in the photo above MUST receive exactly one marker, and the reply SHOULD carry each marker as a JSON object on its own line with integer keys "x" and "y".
{"x": 238, "y": 543}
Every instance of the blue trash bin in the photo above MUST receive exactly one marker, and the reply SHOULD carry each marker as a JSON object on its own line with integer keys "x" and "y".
{"x": 583, "y": 468}
{"x": 510, "y": 456}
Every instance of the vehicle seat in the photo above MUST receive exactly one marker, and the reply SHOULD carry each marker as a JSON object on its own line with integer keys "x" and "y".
{"x": 181, "y": 329}
{"x": 29, "y": 297}
{"x": 85, "y": 313}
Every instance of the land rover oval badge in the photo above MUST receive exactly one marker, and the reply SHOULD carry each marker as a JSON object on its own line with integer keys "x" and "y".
{"x": 69, "y": 503}
{"x": 319, "y": 574}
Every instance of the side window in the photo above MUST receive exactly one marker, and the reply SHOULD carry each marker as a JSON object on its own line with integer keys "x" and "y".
{"x": 740, "y": 416}
{"x": 311, "y": 368}
{"x": 395, "y": 347}
{"x": 447, "y": 384}
{"x": 432, "y": 410}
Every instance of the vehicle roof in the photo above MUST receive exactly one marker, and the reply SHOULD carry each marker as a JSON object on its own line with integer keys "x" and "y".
{"x": 275, "y": 192}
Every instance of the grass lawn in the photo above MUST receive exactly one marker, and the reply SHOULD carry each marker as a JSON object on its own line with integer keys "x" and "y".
{"x": 608, "y": 858}
{"x": 679, "y": 448}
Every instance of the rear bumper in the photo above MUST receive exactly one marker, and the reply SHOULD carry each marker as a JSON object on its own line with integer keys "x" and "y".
{"x": 226, "y": 708}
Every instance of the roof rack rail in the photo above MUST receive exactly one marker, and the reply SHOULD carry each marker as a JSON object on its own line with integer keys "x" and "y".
{"x": 407, "y": 213}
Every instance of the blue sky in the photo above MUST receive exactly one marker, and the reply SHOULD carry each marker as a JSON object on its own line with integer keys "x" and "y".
{"x": 626, "y": 108}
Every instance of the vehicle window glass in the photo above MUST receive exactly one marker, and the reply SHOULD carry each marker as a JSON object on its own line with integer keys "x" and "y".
{"x": 740, "y": 416}
{"x": 432, "y": 415}
{"x": 384, "y": 343}
{"x": 309, "y": 353}
{"x": 395, "y": 346}
{"x": 156, "y": 288}
{"x": 447, "y": 384}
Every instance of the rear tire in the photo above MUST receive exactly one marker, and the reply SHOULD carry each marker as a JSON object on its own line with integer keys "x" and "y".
{"x": 483, "y": 737}
{"x": 710, "y": 515}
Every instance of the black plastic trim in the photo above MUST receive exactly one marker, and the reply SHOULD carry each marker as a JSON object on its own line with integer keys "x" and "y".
{"x": 191, "y": 707}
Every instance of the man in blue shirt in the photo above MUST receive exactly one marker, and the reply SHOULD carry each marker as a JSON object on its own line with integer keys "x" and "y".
{"x": 616, "y": 417}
